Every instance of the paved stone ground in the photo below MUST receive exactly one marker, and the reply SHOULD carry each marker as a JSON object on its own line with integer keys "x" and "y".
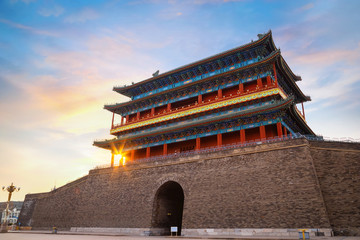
{"x": 43, "y": 235}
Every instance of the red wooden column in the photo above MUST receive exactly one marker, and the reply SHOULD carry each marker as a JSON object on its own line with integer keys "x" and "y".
{"x": 242, "y": 135}
{"x": 262, "y": 132}
{"x": 268, "y": 81}
{"x": 199, "y": 99}
{"x": 198, "y": 142}
{"x": 112, "y": 160}
{"x": 220, "y": 93}
{"x": 276, "y": 81}
{"x": 168, "y": 107}
{"x": 241, "y": 88}
{"x": 112, "y": 121}
{"x": 219, "y": 139}
{"x": 165, "y": 149}
{"x": 303, "y": 109}
{"x": 279, "y": 129}
{"x": 285, "y": 131}
{"x": 138, "y": 115}
{"x": 147, "y": 152}
{"x": 132, "y": 155}
{"x": 122, "y": 120}
{"x": 127, "y": 119}
{"x": 152, "y": 111}
{"x": 259, "y": 83}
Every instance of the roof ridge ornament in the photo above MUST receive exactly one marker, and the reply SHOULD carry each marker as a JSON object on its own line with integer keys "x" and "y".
{"x": 155, "y": 74}
{"x": 261, "y": 35}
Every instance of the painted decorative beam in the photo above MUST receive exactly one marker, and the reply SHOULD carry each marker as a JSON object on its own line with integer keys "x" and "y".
{"x": 241, "y": 79}
{"x": 199, "y": 109}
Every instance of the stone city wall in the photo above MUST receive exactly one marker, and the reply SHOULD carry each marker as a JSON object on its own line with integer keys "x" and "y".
{"x": 267, "y": 186}
{"x": 338, "y": 171}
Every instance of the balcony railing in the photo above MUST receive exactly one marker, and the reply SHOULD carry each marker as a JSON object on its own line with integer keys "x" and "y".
{"x": 190, "y": 106}
{"x": 243, "y": 108}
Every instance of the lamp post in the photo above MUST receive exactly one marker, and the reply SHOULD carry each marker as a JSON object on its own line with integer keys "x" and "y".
{"x": 9, "y": 189}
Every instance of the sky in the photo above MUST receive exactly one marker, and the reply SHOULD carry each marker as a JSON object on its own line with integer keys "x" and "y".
{"x": 59, "y": 61}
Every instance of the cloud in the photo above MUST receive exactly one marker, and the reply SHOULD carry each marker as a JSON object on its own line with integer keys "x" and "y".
{"x": 54, "y": 11}
{"x": 169, "y": 14}
{"x": 82, "y": 16}
{"x": 317, "y": 48}
{"x": 326, "y": 57}
{"x": 24, "y": 1}
{"x": 186, "y": 2}
{"x": 306, "y": 7}
{"x": 28, "y": 28}
{"x": 41, "y": 102}
{"x": 330, "y": 76}
{"x": 200, "y": 2}
{"x": 71, "y": 86}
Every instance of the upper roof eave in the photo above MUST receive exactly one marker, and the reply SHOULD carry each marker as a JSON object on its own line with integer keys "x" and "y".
{"x": 270, "y": 58}
{"x": 124, "y": 89}
{"x": 294, "y": 78}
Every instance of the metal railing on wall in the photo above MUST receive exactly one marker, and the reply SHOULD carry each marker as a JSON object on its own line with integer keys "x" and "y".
{"x": 233, "y": 146}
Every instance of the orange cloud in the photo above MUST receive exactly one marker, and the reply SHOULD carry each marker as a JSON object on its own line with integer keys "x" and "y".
{"x": 326, "y": 57}
{"x": 71, "y": 97}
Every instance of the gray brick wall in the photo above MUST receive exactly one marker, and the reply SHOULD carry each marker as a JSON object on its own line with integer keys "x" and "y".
{"x": 278, "y": 185}
{"x": 338, "y": 170}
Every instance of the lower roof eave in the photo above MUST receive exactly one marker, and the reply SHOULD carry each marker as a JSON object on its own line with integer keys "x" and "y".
{"x": 278, "y": 105}
{"x": 301, "y": 121}
{"x": 106, "y": 144}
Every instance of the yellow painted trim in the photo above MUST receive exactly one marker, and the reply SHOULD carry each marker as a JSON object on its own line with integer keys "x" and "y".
{"x": 211, "y": 106}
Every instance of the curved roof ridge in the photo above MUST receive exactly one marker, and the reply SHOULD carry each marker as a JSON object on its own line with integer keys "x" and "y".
{"x": 293, "y": 77}
{"x": 263, "y": 61}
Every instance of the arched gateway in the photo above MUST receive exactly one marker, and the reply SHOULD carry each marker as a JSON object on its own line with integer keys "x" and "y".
{"x": 168, "y": 208}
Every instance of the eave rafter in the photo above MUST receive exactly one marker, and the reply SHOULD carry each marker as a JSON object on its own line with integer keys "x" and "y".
{"x": 126, "y": 90}
{"x": 198, "y": 109}
{"x": 190, "y": 121}
{"x": 282, "y": 65}
{"x": 269, "y": 59}
{"x": 284, "y": 104}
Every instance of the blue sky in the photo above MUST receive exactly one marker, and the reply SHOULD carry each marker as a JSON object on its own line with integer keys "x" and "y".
{"x": 60, "y": 59}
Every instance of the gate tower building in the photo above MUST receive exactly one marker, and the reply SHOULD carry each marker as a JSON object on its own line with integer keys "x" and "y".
{"x": 215, "y": 147}
{"x": 244, "y": 95}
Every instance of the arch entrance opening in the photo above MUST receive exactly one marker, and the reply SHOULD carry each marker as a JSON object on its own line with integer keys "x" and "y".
{"x": 168, "y": 208}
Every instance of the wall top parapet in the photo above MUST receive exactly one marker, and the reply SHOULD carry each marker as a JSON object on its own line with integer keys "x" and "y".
{"x": 229, "y": 150}
{"x": 290, "y": 140}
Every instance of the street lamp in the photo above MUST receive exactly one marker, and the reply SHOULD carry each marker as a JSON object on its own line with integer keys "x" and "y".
{"x": 9, "y": 189}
